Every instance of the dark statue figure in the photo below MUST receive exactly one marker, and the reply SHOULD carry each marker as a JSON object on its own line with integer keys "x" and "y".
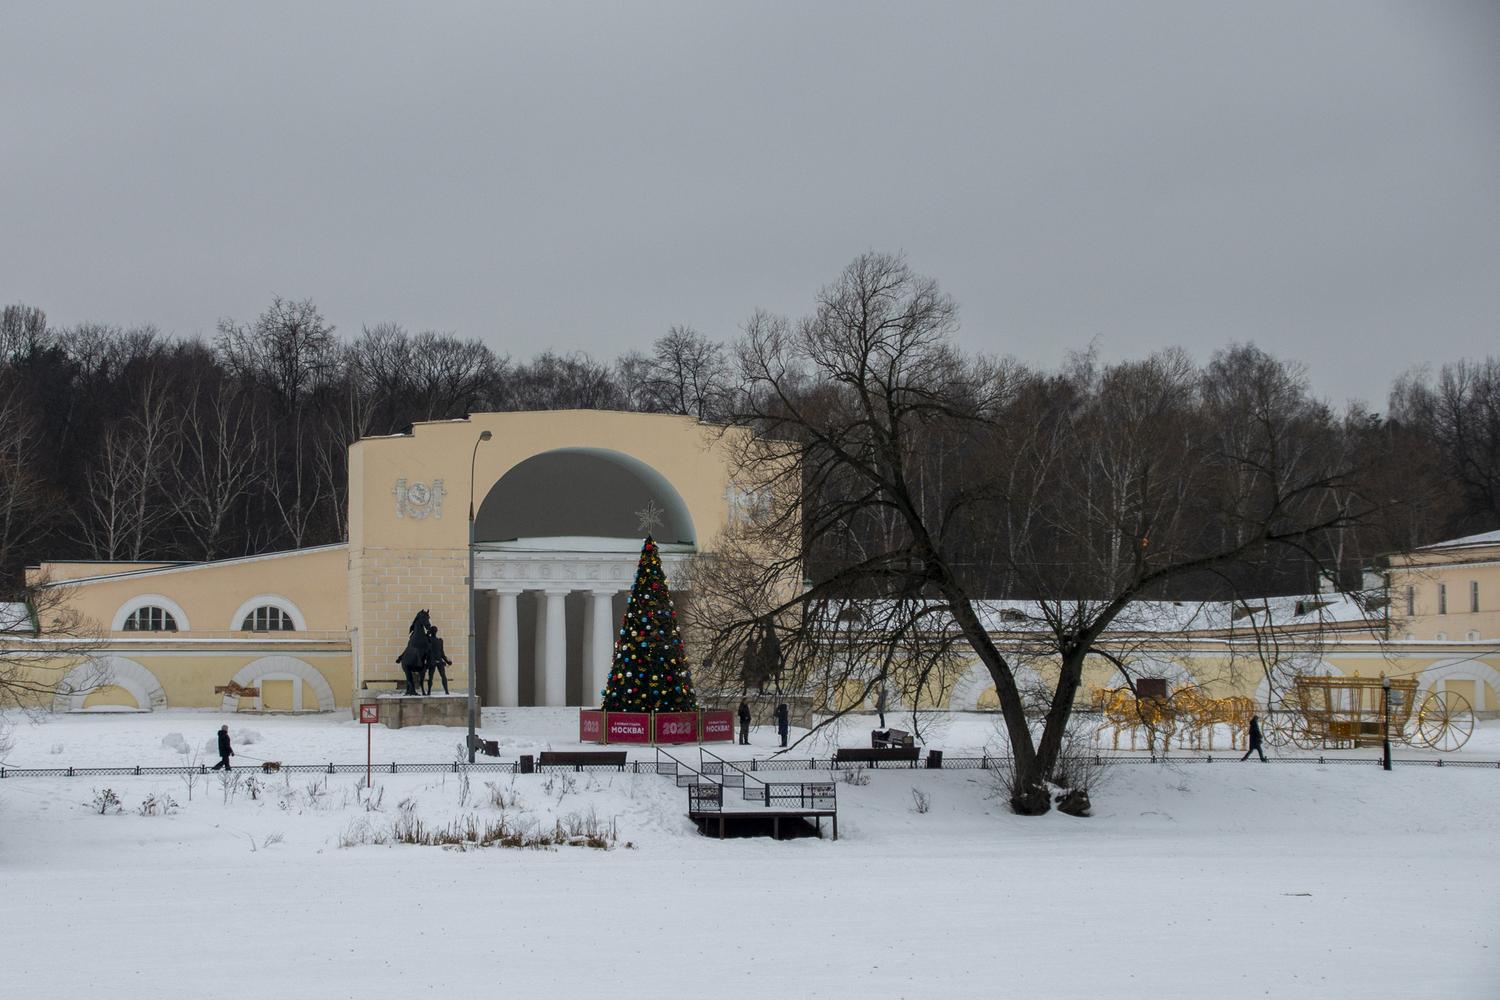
{"x": 437, "y": 659}
{"x": 415, "y": 658}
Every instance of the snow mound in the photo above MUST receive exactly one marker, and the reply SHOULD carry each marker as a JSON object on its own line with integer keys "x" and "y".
{"x": 175, "y": 741}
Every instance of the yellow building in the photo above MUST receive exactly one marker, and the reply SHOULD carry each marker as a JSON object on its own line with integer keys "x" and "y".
{"x": 558, "y": 500}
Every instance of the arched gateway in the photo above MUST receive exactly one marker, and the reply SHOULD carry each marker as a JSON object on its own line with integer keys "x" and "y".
{"x": 559, "y": 499}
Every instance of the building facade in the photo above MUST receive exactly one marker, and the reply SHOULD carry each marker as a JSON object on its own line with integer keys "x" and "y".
{"x": 560, "y": 501}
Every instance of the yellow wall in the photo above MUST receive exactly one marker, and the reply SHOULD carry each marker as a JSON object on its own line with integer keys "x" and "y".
{"x": 276, "y": 696}
{"x": 315, "y": 581}
{"x": 1457, "y": 568}
{"x": 111, "y": 695}
{"x": 401, "y": 564}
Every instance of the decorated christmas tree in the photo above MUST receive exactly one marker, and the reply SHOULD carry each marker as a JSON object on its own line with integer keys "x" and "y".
{"x": 650, "y": 672}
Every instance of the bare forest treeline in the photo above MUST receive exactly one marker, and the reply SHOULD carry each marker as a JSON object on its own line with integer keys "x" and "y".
{"x": 128, "y": 444}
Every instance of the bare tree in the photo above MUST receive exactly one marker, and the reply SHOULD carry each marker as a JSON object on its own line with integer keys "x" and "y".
{"x": 685, "y": 373}
{"x": 1122, "y": 482}
{"x": 26, "y": 507}
{"x": 560, "y": 382}
{"x": 220, "y": 464}
{"x": 288, "y": 353}
{"x": 1460, "y": 414}
{"x": 46, "y": 649}
{"x": 125, "y": 499}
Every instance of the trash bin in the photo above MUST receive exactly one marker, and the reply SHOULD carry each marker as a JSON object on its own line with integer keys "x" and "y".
{"x": 935, "y": 759}
{"x": 527, "y": 765}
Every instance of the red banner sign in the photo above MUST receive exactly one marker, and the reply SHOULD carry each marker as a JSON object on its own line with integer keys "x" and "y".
{"x": 628, "y": 727}
{"x": 675, "y": 727}
{"x": 590, "y": 726}
{"x": 718, "y": 727}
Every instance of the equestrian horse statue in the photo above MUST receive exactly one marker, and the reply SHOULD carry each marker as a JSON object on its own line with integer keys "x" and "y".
{"x": 414, "y": 659}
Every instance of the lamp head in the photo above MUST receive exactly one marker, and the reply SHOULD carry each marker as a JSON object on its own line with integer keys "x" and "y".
{"x": 485, "y": 435}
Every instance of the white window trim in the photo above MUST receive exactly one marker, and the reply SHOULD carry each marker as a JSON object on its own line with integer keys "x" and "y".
{"x": 147, "y": 600}
{"x": 274, "y": 600}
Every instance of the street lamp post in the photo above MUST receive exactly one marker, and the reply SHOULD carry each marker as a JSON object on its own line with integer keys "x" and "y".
{"x": 1385, "y": 752}
{"x": 473, "y": 699}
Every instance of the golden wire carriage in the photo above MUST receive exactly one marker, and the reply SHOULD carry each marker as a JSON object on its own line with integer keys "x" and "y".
{"x": 1332, "y": 712}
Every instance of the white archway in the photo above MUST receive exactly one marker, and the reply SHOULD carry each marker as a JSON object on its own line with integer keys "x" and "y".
{"x": 150, "y": 600}
{"x": 109, "y": 671}
{"x": 977, "y": 680}
{"x": 274, "y": 600}
{"x": 272, "y": 668}
{"x": 1462, "y": 670}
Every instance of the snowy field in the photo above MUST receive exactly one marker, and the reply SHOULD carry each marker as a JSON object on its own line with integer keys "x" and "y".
{"x": 1190, "y": 880}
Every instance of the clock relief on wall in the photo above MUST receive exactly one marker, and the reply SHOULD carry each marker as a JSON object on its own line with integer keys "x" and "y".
{"x": 419, "y": 500}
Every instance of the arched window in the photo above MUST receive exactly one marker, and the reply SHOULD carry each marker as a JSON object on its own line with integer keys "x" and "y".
{"x": 268, "y": 618}
{"x": 150, "y": 618}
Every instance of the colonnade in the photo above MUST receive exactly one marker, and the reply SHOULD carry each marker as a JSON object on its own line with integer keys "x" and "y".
{"x": 550, "y": 660}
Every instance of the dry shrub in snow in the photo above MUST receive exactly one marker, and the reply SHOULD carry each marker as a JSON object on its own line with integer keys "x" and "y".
{"x": 855, "y": 776}
{"x": 105, "y": 801}
{"x": 157, "y": 805}
{"x": 921, "y": 802}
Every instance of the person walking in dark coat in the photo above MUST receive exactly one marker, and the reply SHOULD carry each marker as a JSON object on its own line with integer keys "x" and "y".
{"x": 880, "y": 706}
{"x": 436, "y": 659}
{"x": 225, "y": 750}
{"x": 744, "y": 724}
{"x": 781, "y": 722}
{"x": 1254, "y": 739}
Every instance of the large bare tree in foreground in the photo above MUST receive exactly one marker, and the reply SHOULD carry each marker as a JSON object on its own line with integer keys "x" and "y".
{"x": 909, "y": 472}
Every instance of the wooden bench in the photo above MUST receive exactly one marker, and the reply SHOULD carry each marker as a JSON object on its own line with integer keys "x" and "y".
{"x": 398, "y": 683}
{"x": 874, "y": 755}
{"x": 579, "y": 759}
{"x": 891, "y": 738}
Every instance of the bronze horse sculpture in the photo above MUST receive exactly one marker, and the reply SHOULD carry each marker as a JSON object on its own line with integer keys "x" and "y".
{"x": 414, "y": 659}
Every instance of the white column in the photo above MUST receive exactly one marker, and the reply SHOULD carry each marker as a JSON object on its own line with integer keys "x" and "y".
{"x": 539, "y": 653}
{"x": 602, "y": 635}
{"x": 586, "y": 661}
{"x": 557, "y": 648}
{"x": 505, "y": 650}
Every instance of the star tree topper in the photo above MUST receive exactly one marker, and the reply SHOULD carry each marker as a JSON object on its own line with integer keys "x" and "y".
{"x": 649, "y": 517}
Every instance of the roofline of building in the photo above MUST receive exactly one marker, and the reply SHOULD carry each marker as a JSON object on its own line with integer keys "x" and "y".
{"x": 189, "y": 566}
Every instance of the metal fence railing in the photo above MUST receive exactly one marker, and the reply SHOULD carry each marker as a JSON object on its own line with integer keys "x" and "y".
{"x": 749, "y": 766}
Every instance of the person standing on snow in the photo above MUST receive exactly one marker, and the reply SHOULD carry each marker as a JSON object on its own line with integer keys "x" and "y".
{"x": 744, "y": 723}
{"x": 880, "y": 705}
{"x": 437, "y": 659}
{"x": 1255, "y": 739}
{"x": 225, "y": 750}
{"x": 781, "y": 722}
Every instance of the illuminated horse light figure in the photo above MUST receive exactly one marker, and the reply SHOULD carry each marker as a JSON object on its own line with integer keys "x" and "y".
{"x": 1121, "y": 709}
{"x": 1198, "y": 715}
{"x": 414, "y": 659}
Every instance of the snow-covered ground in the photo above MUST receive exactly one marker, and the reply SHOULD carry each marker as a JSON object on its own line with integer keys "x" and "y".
{"x": 1190, "y": 880}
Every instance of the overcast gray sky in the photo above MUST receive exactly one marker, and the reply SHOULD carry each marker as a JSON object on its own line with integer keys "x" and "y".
{"x": 1321, "y": 178}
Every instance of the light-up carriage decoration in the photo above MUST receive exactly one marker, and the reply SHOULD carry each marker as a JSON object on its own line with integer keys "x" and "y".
{"x": 1333, "y": 712}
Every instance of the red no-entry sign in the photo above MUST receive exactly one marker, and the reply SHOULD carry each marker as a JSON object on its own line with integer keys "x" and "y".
{"x": 369, "y": 713}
